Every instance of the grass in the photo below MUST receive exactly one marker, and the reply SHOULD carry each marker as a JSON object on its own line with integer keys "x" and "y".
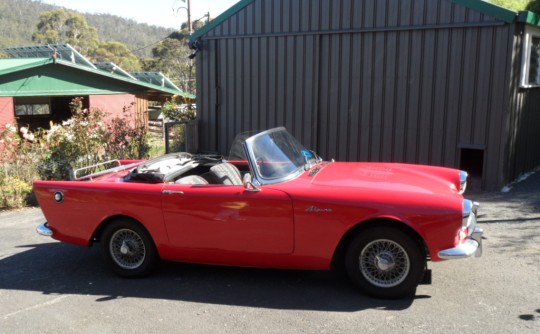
{"x": 157, "y": 144}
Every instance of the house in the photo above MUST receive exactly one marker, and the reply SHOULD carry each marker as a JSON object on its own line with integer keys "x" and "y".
{"x": 38, "y": 83}
{"x": 442, "y": 82}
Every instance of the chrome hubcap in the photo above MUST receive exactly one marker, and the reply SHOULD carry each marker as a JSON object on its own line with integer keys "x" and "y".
{"x": 127, "y": 249}
{"x": 384, "y": 263}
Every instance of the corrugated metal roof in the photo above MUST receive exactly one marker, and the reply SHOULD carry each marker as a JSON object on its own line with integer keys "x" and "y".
{"x": 10, "y": 65}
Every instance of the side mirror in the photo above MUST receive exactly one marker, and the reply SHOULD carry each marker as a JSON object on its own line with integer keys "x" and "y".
{"x": 248, "y": 183}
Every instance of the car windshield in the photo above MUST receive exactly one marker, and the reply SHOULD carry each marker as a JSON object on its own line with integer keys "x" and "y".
{"x": 277, "y": 155}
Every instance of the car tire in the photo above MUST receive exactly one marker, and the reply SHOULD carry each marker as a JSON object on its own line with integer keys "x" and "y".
{"x": 385, "y": 262}
{"x": 128, "y": 248}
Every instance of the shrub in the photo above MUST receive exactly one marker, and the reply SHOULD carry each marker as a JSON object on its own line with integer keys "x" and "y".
{"x": 125, "y": 139}
{"x": 14, "y": 191}
{"x": 85, "y": 139}
{"x": 174, "y": 111}
{"x": 78, "y": 142}
{"x": 89, "y": 138}
{"x": 19, "y": 152}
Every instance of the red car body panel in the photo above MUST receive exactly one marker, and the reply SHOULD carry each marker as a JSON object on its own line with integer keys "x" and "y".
{"x": 293, "y": 224}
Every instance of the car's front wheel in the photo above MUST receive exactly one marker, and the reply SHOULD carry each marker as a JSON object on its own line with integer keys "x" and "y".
{"x": 385, "y": 262}
{"x": 128, "y": 248}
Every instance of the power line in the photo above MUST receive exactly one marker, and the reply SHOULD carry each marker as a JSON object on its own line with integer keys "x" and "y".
{"x": 149, "y": 45}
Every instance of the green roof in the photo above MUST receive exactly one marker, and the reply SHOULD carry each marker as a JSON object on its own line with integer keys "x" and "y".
{"x": 503, "y": 14}
{"x": 12, "y": 65}
{"x": 489, "y": 9}
{"x": 529, "y": 18}
{"x": 220, "y": 19}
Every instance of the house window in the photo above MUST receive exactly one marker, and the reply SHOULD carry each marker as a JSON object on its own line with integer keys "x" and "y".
{"x": 32, "y": 106}
{"x": 530, "y": 72}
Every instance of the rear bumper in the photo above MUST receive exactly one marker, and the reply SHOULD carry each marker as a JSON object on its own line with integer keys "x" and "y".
{"x": 44, "y": 230}
{"x": 471, "y": 246}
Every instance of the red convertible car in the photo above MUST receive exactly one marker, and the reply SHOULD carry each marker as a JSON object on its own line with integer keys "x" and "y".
{"x": 273, "y": 204}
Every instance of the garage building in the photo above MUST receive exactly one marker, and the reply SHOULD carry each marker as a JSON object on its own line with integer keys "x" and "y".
{"x": 442, "y": 82}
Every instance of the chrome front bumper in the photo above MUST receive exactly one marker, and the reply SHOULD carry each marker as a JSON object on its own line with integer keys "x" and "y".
{"x": 472, "y": 246}
{"x": 44, "y": 229}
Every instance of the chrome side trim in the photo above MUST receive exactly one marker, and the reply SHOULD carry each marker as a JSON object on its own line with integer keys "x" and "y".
{"x": 172, "y": 192}
{"x": 44, "y": 230}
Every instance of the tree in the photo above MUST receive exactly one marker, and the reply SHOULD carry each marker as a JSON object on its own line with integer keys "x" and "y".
{"x": 515, "y": 5}
{"x": 59, "y": 26}
{"x": 171, "y": 58}
{"x": 117, "y": 53}
{"x": 534, "y": 6}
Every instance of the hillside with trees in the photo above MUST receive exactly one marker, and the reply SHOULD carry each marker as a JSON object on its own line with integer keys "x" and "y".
{"x": 517, "y": 5}
{"x": 19, "y": 19}
{"x": 101, "y": 38}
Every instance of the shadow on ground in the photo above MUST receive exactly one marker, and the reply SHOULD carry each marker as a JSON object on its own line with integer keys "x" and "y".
{"x": 57, "y": 268}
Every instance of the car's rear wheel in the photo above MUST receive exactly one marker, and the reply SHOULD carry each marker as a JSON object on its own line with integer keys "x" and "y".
{"x": 128, "y": 248}
{"x": 385, "y": 262}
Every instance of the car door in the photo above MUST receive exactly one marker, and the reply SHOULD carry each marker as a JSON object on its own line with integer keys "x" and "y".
{"x": 228, "y": 218}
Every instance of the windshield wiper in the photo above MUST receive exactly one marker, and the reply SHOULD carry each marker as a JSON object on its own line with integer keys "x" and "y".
{"x": 318, "y": 159}
{"x": 307, "y": 163}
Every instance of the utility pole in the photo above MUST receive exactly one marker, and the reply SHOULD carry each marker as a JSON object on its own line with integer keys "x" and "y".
{"x": 188, "y": 10}
{"x": 190, "y": 27}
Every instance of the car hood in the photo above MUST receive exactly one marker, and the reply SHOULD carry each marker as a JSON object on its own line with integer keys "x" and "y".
{"x": 389, "y": 176}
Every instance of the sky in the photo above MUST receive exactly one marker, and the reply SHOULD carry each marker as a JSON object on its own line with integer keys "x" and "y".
{"x": 164, "y": 13}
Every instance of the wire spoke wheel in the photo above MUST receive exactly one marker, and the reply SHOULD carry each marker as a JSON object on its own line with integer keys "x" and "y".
{"x": 384, "y": 263}
{"x": 127, "y": 249}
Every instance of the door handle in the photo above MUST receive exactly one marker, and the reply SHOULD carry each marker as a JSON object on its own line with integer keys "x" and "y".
{"x": 172, "y": 192}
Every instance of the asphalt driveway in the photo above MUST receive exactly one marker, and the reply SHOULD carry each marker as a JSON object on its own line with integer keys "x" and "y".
{"x": 47, "y": 286}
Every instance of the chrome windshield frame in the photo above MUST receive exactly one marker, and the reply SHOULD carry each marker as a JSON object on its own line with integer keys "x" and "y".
{"x": 257, "y": 177}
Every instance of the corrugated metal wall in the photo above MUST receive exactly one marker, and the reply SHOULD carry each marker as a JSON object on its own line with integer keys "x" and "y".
{"x": 379, "y": 80}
